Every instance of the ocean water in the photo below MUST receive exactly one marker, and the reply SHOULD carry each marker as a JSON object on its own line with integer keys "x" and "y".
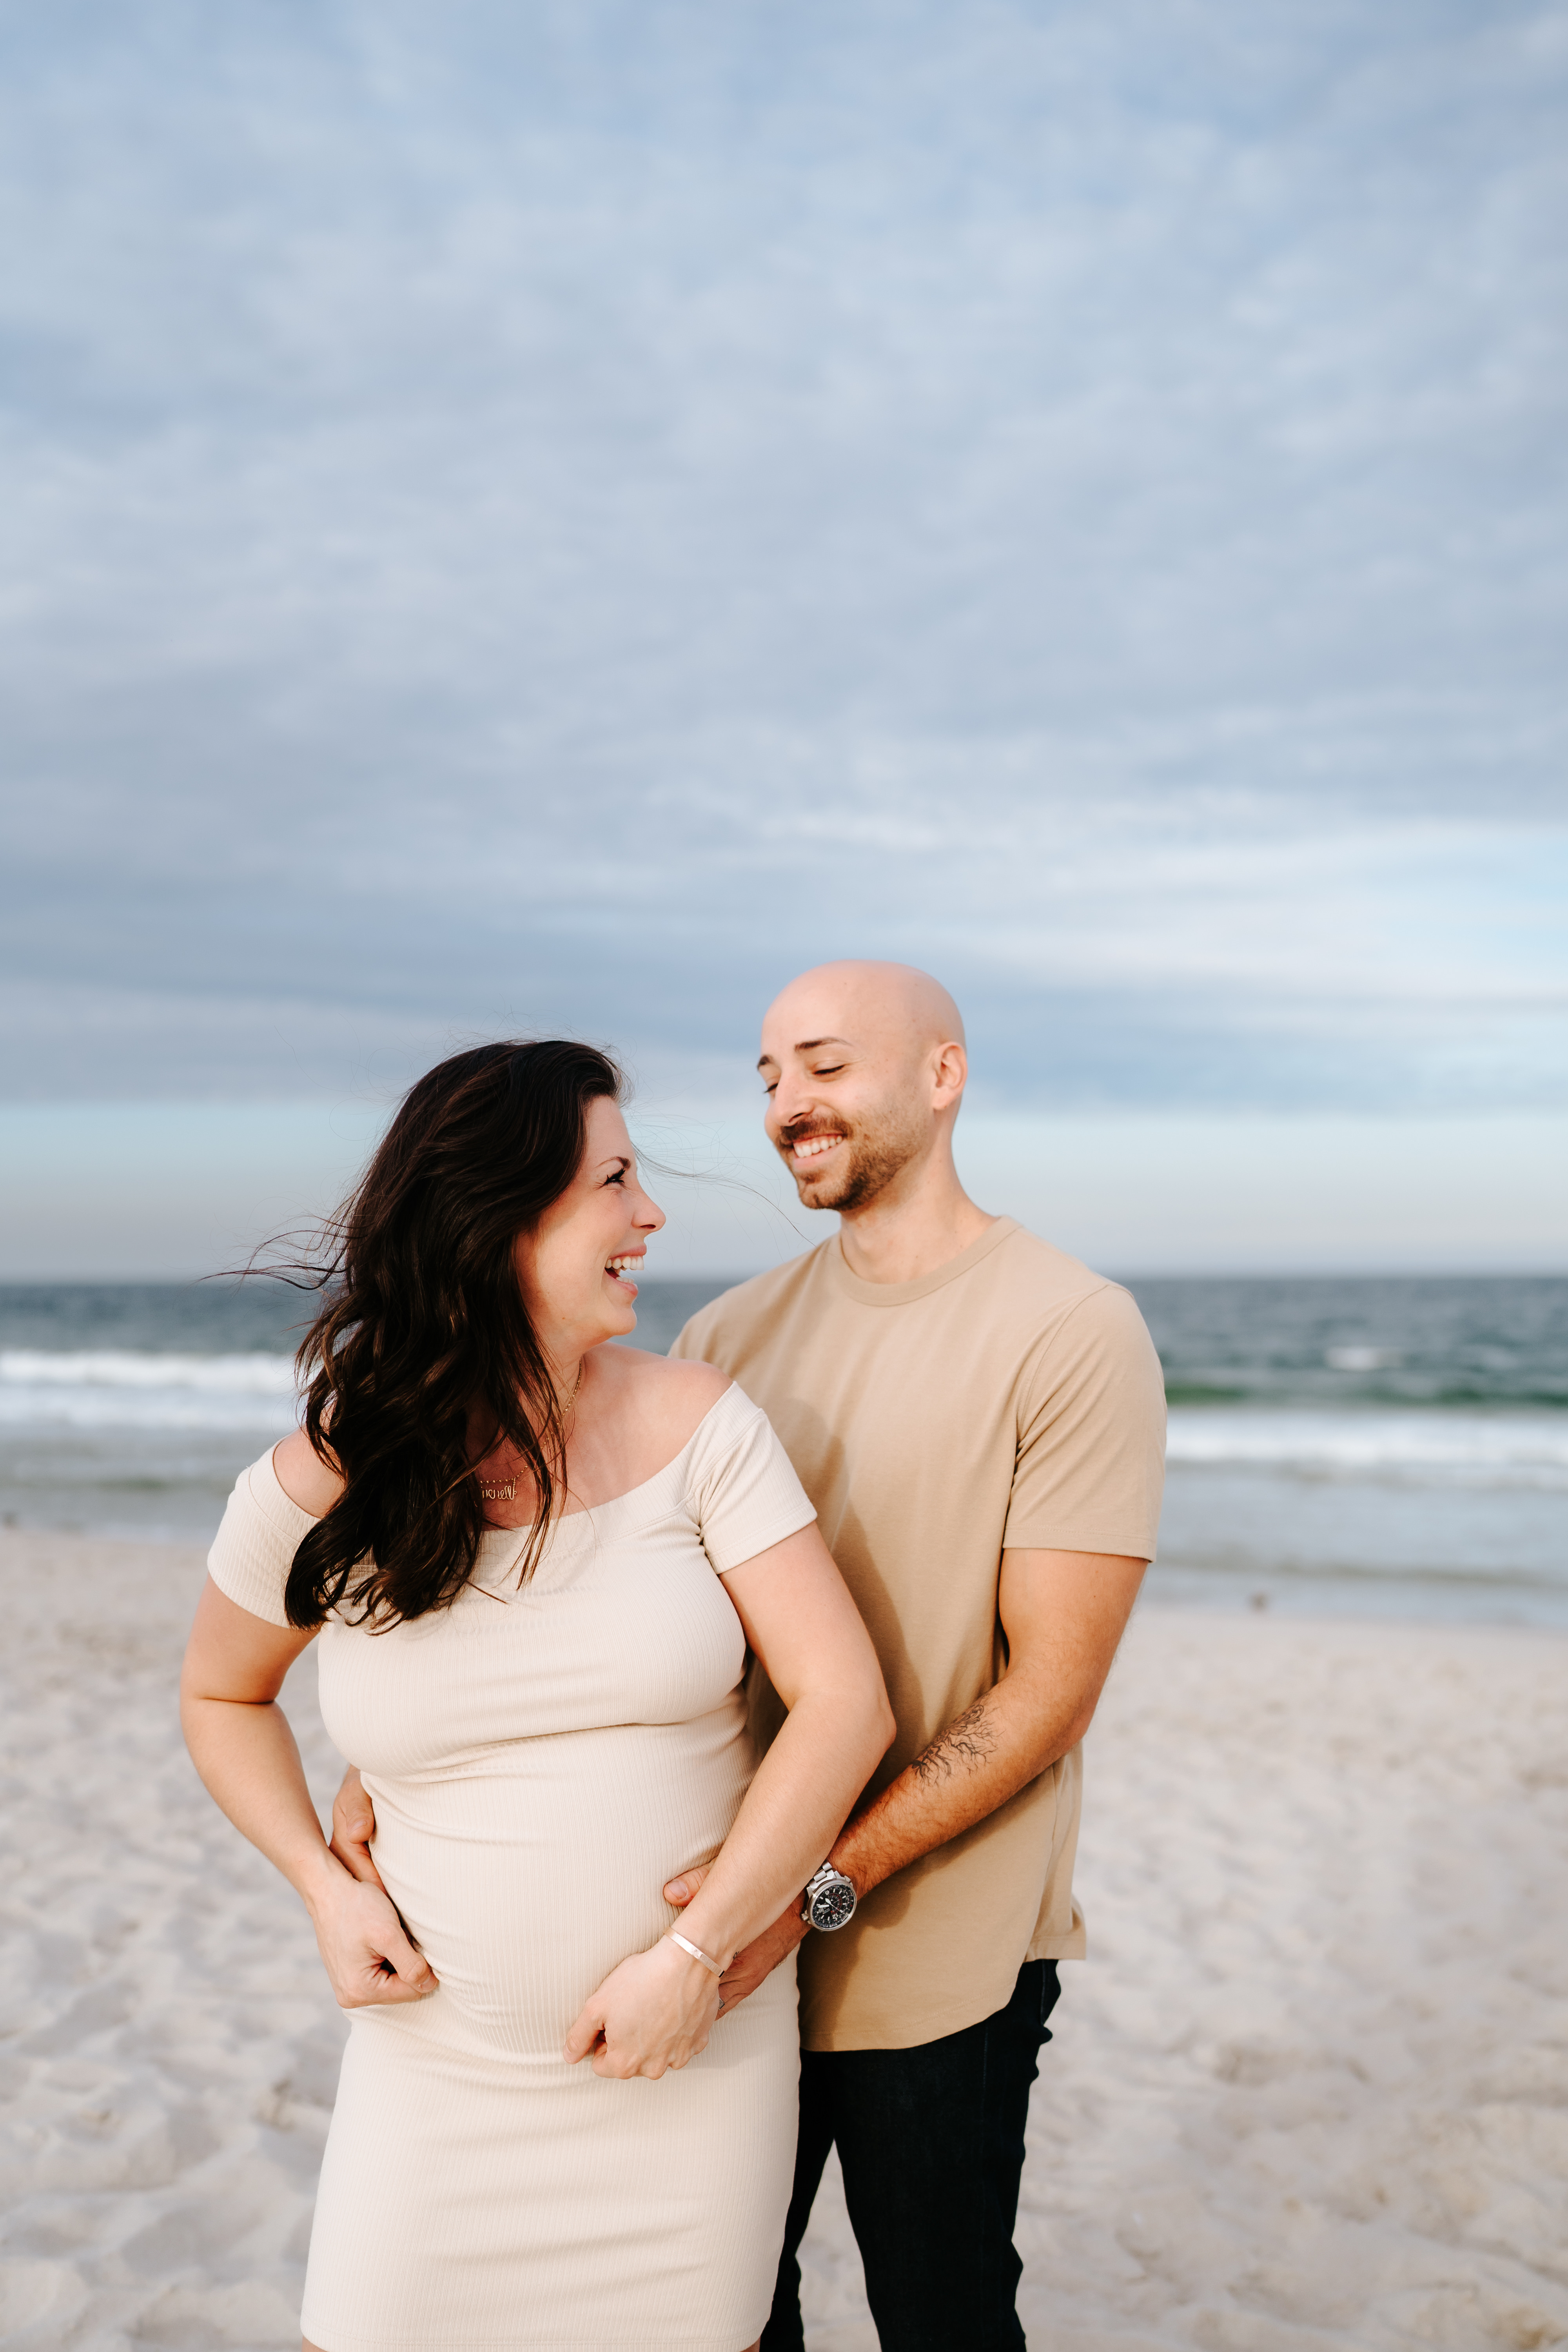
{"x": 1396, "y": 1447}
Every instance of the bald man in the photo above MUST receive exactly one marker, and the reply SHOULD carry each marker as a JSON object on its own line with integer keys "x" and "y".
{"x": 980, "y": 1422}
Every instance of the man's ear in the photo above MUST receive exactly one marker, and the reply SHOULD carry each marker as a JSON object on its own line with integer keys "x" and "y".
{"x": 949, "y": 1071}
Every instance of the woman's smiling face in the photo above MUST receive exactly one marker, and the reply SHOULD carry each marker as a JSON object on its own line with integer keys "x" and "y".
{"x": 578, "y": 1268}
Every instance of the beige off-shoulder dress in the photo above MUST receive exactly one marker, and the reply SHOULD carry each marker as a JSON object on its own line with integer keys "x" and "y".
{"x": 540, "y": 1761}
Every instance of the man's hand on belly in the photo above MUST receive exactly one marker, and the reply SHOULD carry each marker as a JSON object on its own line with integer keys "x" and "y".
{"x": 353, "y": 1826}
{"x": 761, "y": 1956}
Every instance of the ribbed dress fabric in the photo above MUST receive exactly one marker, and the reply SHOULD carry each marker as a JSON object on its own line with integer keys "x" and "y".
{"x": 542, "y": 1759}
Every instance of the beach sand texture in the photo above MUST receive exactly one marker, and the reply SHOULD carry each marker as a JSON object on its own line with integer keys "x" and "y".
{"x": 1311, "y": 2091}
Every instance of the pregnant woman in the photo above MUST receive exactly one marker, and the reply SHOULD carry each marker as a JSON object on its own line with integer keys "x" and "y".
{"x": 535, "y": 1564}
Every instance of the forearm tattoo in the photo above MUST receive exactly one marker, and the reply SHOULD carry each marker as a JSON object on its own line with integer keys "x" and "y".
{"x": 967, "y": 1742}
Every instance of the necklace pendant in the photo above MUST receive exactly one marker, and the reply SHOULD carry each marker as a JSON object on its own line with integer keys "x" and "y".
{"x": 498, "y": 1490}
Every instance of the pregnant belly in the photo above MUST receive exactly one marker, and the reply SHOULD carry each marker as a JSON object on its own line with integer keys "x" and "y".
{"x": 527, "y": 1874}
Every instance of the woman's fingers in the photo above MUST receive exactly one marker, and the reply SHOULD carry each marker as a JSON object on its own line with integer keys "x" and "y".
{"x": 586, "y": 2034}
{"x": 366, "y": 1950}
{"x": 411, "y": 1977}
{"x": 616, "y": 2070}
{"x": 353, "y": 1826}
{"x": 653, "y": 2012}
{"x": 648, "y": 2071}
{"x": 679, "y": 1890}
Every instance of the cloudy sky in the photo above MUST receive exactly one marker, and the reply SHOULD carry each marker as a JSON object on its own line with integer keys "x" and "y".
{"x": 555, "y": 516}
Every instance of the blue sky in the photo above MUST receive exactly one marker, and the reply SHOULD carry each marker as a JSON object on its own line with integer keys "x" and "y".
{"x": 555, "y": 517}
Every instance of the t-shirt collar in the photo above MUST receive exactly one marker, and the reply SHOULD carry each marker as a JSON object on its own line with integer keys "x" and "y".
{"x": 899, "y": 1293}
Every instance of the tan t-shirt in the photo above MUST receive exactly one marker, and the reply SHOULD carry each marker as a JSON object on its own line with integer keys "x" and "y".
{"x": 1010, "y": 1399}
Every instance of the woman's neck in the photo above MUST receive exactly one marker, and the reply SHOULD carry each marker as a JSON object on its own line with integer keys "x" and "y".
{"x": 500, "y": 1463}
{"x": 567, "y": 1381}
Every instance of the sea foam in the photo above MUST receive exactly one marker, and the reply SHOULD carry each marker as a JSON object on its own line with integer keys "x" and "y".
{"x": 1501, "y": 1449}
{"x": 114, "y": 1388}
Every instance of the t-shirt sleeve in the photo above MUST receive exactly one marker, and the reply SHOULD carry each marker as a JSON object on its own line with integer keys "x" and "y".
{"x": 1091, "y": 1435}
{"x": 700, "y": 1339}
{"x": 255, "y": 1546}
{"x": 743, "y": 1491}
{"x": 687, "y": 1341}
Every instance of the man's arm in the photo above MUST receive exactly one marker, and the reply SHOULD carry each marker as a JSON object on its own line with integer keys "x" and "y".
{"x": 1064, "y": 1613}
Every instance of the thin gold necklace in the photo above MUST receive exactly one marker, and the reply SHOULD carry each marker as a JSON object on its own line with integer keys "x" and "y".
{"x": 501, "y": 1490}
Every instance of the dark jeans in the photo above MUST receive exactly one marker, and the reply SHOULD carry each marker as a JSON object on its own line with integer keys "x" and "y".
{"x": 931, "y": 2141}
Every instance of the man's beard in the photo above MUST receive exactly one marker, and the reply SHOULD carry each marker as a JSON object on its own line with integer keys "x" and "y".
{"x": 874, "y": 1153}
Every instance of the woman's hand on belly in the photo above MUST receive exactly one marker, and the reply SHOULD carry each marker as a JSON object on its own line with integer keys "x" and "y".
{"x": 653, "y": 2012}
{"x": 756, "y": 1961}
{"x": 368, "y": 1958}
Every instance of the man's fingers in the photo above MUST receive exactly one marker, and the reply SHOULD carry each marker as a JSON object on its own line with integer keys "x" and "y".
{"x": 353, "y": 1812}
{"x": 679, "y": 1890}
{"x": 353, "y": 1826}
{"x": 356, "y": 1858}
{"x": 757, "y": 1961}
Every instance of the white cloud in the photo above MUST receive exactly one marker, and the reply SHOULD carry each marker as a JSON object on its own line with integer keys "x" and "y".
{"x": 561, "y": 516}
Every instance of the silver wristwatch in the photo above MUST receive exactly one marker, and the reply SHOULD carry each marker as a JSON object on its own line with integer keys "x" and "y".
{"x": 829, "y": 1899}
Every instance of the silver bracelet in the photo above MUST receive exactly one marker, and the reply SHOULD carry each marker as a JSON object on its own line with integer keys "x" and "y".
{"x": 716, "y": 1966}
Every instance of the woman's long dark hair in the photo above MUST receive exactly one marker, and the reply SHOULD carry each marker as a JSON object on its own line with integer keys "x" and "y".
{"x": 425, "y": 1319}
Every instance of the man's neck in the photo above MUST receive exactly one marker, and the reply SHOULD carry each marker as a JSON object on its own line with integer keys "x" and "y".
{"x": 902, "y": 1235}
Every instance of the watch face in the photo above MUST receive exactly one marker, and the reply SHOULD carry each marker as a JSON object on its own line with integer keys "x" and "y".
{"x": 832, "y": 1904}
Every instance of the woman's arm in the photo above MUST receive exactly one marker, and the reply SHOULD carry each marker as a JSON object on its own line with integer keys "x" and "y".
{"x": 657, "y": 2008}
{"x": 241, "y": 1745}
{"x": 815, "y": 1650}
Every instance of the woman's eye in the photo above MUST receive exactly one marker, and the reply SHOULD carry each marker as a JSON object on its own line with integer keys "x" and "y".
{"x": 619, "y": 1177}
{"x": 831, "y": 1070}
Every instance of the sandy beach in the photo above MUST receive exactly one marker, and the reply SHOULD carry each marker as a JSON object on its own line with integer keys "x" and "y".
{"x": 1310, "y": 2090}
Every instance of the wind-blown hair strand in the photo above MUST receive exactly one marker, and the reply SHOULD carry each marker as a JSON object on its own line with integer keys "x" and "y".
{"x": 424, "y": 1321}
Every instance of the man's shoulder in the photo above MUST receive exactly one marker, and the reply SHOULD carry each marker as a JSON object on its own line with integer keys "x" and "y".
{"x": 740, "y": 1319}
{"x": 1072, "y": 1324}
{"x": 1059, "y": 1310}
{"x": 1040, "y": 1276}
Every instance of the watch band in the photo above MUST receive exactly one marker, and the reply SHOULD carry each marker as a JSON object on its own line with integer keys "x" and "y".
{"x": 826, "y": 1877}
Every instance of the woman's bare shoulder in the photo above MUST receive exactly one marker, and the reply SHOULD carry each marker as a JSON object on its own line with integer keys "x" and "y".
{"x": 670, "y": 1393}
{"x": 305, "y": 1478}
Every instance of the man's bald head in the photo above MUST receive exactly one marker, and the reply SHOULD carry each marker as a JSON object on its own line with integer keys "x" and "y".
{"x": 886, "y": 997}
{"x": 865, "y": 1063}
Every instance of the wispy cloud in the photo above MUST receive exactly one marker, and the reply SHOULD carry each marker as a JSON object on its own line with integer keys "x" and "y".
{"x": 561, "y": 516}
